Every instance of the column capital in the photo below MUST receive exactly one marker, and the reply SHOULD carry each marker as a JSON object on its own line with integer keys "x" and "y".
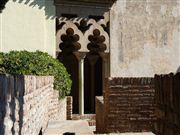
{"x": 104, "y": 55}
{"x": 80, "y": 55}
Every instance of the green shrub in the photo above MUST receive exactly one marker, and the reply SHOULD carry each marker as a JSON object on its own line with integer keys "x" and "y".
{"x": 36, "y": 63}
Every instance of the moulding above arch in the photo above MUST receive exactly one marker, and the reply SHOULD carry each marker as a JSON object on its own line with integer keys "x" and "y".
{"x": 83, "y": 37}
{"x": 102, "y": 32}
{"x": 97, "y": 3}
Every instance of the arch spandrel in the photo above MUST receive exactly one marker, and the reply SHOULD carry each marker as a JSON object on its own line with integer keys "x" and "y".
{"x": 60, "y": 32}
{"x": 94, "y": 26}
{"x": 91, "y": 26}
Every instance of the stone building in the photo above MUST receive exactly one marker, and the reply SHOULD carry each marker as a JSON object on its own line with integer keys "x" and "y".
{"x": 96, "y": 39}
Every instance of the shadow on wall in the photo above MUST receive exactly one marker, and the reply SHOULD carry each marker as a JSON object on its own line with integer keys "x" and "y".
{"x": 32, "y": 3}
{"x": 11, "y": 95}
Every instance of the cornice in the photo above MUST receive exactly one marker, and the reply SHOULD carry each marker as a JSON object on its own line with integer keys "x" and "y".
{"x": 94, "y": 3}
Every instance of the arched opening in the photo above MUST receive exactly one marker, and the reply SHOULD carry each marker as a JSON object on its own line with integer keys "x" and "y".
{"x": 69, "y": 57}
{"x": 93, "y": 70}
{"x": 88, "y": 65}
{"x": 71, "y": 63}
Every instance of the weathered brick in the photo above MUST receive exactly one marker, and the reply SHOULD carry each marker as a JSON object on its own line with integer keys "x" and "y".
{"x": 127, "y": 100}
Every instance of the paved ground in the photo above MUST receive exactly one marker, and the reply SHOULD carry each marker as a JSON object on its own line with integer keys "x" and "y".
{"x": 79, "y": 127}
{"x": 144, "y": 133}
{"x": 93, "y": 128}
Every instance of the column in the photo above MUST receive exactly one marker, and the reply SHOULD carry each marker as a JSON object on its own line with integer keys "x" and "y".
{"x": 81, "y": 84}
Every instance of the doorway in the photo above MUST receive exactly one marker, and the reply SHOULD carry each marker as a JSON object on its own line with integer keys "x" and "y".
{"x": 87, "y": 68}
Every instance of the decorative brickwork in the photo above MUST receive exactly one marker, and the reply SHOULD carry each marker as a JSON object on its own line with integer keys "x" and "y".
{"x": 129, "y": 104}
{"x": 168, "y": 104}
{"x": 27, "y": 103}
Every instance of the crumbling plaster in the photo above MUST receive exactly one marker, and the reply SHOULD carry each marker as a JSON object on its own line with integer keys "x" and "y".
{"x": 145, "y": 37}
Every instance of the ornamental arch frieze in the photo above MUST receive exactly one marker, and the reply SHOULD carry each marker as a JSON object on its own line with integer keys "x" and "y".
{"x": 62, "y": 28}
{"x": 82, "y": 45}
{"x": 83, "y": 28}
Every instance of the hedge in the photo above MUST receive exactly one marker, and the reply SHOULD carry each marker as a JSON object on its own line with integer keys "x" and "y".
{"x": 36, "y": 63}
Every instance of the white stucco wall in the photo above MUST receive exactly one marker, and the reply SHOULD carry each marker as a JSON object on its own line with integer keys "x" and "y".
{"x": 145, "y": 37}
{"x": 28, "y": 25}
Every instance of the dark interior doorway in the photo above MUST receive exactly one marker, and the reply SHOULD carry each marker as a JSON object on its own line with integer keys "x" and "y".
{"x": 71, "y": 64}
{"x": 69, "y": 57}
{"x": 93, "y": 81}
{"x": 94, "y": 68}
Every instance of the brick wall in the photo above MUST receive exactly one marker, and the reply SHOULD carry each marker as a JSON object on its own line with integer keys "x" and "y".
{"x": 168, "y": 104}
{"x": 129, "y": 104}
{"x": 57, "y": 107}
{"x": 27, "y": 103}
{"x": 69, "y": 107}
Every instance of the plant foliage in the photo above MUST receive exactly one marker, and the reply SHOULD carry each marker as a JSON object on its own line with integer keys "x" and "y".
{"x": 36, "y": 63}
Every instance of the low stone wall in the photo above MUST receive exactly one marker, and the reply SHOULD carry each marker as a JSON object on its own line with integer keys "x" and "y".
{"x": 57, "y": 107}
{"x": 129, "y": 104}
{"x": 168, "y": 104}
{"x": 27, "y": 103}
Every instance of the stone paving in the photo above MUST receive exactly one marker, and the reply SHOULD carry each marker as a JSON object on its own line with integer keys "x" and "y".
{"x": 93, "y": 128}
{"x": 79, "y": 127}
{"x": 143, "y": 133}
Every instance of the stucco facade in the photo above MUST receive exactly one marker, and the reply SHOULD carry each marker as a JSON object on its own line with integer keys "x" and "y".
{"x": 144, "y": 35}
{"x": 28, "y": 25}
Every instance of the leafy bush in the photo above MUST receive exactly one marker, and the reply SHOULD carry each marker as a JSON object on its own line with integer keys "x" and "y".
{"x": 36, "y": 63}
